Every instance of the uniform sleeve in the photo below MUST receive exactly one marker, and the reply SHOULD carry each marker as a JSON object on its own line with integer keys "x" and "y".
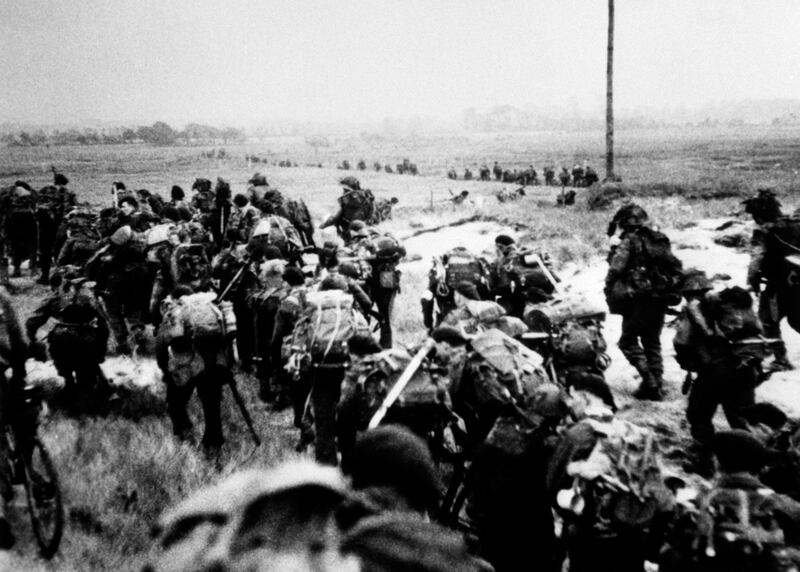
{"x": 757, "y": 254}
{"x": 698, "y": 319}
{"x": 46, "y": 310}
{"x": 619, "y": 260}
{"x": 361, "y": 297}
{"x": 332, "y": 220}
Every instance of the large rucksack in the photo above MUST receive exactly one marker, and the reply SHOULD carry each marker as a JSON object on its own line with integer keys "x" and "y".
{"x": 357, "y": 204}
{"x": 621, "y": 479}
{"x": 279, "y": 232}
{"x": 460, "y": 265}
{"x": 299, "y": 216}
{"x": 328, "y": 320}
{"x": 737, "y": 529}
{"x": 197, "y": 317}
{"x": 189, "y": 265}
{"x": 655, "y": 271}
{"x": 526, "y": 271}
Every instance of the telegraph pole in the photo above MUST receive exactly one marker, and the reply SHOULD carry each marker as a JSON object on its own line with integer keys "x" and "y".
{"x": 610, "y": 96}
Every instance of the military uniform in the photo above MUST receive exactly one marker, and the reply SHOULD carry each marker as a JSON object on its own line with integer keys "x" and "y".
{"x": 77, "y": 343}
{"x": 20, "y": 231}
{"x": 630, "y": 268}
{"x": 53, "y": 203}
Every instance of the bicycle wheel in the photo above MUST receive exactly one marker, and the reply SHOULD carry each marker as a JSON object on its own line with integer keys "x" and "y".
{"x": 43, "y": 494}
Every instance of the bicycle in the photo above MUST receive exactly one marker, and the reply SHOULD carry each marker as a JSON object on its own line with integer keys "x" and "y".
{"x": 30, "y": 465}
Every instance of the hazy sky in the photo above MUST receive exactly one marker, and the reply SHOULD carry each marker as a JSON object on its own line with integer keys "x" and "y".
{"x": 244, "y": 61}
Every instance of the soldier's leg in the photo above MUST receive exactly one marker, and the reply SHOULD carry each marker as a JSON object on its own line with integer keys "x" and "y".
{"x": 704, "y": 397}
{"x": 651, "y": 341}
{"x": 245, "y": 333}
{"x": 324, "y": 400}
{"x": 177, "y": 399}
{"x": 384, "y": 300}
{"x": 47, "y": 234}
{"x": 116, "y": 318}
{"x": 769, "y": 313}
{"x": 209, "y": 389}
{"x": 740, "y": 393}
{"x": 632, "y": 329}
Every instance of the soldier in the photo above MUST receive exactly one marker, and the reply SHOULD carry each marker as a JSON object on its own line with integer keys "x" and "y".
{"x": 178, "y": 197}
{"x": 467, "y": 175}
{"x": 509, "y": 503}
{"x": 590, "y": 175}
{"x": 257, "y": 187}
{"x": 564, "y": 177}
{"x": 192, "y": 357}
{"x": 320, "y": 357}
{"x": 775, "y": 237}
{"x": 243, "y": 220}
{"x": 54, "y": 202}
{"x": 643, "y": 279}
{"x": 460, "y": 198}
{"x": 577, "y": 176}
{"x": 121, "y": 271}
{"x": 605, "y": 529}
{"x": 19, "y": 206}
{"x": 549, "y": 176}
{"x": 203, "y": 197}
{"x": 355, "y": 203}
{"x": 285, "y": 319}
{"x": 739, "y": 524}
{"x": 497, "y": 170}
{"x": 78, "y": 341}
{"x": 728, "y": 372}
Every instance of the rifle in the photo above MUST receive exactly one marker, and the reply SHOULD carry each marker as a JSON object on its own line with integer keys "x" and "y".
{"x": 234, "y": 280}
{"x": 237, "y": 397}
{"x": 401, "y": 383}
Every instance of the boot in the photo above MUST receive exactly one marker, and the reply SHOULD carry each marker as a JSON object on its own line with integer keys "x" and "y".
{"x": 650, "y": 389}
{"x": 781, "y": 361}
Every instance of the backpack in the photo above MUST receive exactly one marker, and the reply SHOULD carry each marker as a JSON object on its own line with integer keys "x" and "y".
{"x": 738, "y": 529}
{"x": 581, "y": 344}
{"x": 299, "y": 215}
{"x": 621, "y": 480}
{"x": 655, "y": 271}
{"x": 277, "y": 231}
{"x": 460, "y": 265}
{"x": 189, "y": 265}
{"x": 204, "y": 319}
{"x": 685, "y": 343}
{"x": 387, "y": 253}
{"x": 357, "y": 204}
{"x": 327, "y": 322}
{"x": 422, "y": 402}
{"x": 526, "y": 272}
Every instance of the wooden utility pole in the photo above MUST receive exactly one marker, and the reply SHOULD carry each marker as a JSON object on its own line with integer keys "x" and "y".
{"x": 610, "y": 96}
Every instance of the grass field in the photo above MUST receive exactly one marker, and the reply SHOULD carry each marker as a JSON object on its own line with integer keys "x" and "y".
{"x": 120, "y": 473}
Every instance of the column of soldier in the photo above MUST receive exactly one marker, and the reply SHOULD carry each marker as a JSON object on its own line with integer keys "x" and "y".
{"x": 500, "y": 425}
{"x": 579, "y": 176}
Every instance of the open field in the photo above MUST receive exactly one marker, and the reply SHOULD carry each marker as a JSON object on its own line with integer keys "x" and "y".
{"x": 120, "y": 473}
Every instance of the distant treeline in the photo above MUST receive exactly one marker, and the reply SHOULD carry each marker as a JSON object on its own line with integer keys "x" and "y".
{"x": 159, "y": 133}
